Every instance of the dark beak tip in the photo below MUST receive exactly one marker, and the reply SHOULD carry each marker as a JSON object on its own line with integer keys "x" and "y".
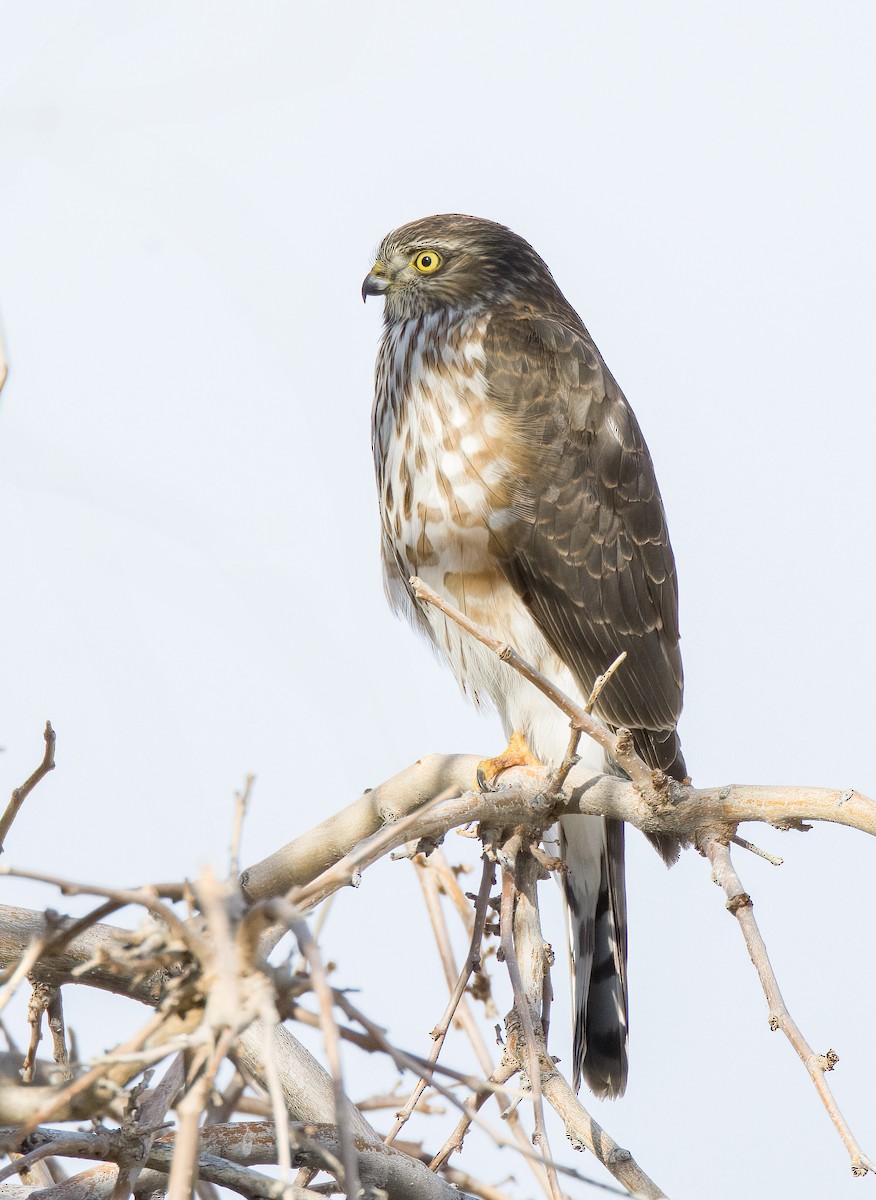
{"x": 373, "y": 285}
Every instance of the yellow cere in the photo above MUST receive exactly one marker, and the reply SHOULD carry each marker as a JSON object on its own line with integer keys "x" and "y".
{"x": 427, "y": 261}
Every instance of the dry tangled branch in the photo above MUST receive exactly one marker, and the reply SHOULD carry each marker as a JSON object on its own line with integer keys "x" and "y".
{"x": 217, "y": 1003}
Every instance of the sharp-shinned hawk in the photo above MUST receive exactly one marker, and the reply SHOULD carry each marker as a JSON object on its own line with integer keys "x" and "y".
{"x": 514, "y": 479}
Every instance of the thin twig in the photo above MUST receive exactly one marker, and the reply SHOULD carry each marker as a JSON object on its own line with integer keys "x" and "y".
{"x": 145, "y": 897}
{"x": 449, "y": 883}
{"x": 471, "y": 964}
{"x": 325, "y": 996}
{"x": 570, "y": 758}
{"x": 739, "y": 904}
{"x": 20, "y": 794}
{"x": 429, "y": 883}
{"x": 506, "y": 1069}
{"x": 241, "y": 804}
{"x": 752, "y": 849}
{"x": 412, "y": 1062}
{"x": 618, "y": 746}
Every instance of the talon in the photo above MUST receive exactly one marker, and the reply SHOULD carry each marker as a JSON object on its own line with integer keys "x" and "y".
{"x": 515, "y": 754}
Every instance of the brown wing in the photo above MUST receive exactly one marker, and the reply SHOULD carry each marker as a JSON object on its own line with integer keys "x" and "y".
{"x": 586, "y": 543}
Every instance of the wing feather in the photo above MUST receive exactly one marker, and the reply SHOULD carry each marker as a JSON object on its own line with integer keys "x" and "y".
{"x": 586, "y": 543}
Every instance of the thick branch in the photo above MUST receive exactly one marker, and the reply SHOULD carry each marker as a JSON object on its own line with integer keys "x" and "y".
{"x": 89, "y": 952}
{"x": 682, "y": 811}
{"x": 302, "y": 860}
{"x": 254, "y": 1143}
{"x": 527, "y": 993}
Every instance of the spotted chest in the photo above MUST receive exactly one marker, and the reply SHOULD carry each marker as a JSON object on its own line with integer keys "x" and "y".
{"x": 438, "y": 446}
{"x": 445, "y": 463}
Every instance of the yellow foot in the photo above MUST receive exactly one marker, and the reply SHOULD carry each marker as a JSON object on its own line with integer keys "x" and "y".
{"x": 516, "y": 754}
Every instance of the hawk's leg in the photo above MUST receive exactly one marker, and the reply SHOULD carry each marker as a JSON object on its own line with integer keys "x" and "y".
{"x": 515, "y": 754}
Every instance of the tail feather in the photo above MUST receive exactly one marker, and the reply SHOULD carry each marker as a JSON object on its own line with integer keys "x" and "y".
{"x": 593, "y": 849}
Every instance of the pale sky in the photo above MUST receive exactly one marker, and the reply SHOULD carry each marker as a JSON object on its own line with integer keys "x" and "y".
{"x": 190, "y": 194}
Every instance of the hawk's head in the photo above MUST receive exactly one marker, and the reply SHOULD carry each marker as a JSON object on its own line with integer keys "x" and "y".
{"x": 454, "y": 261}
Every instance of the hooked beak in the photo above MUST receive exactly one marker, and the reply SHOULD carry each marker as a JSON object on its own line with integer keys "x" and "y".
{"x": 375, "y": 281}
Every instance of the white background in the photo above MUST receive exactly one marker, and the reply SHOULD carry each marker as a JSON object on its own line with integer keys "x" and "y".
{"x": 189, "y": 197}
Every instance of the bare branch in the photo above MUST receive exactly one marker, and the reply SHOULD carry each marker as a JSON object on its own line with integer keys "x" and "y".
{"x": 772, "y": 859}
{"x": 521, "y": 798}
{"x": 739, "y": 903}
{"x": 209, "y": 983}
{"x": 241, "y": 804}
{"x": 618, "y": 746}
{"x": 252, "y": 1146}
{"x": 144, "y": 897}
{"x": 584, "y": 1132}
{"x": 526, "y": 1000}
{"x": 506, "y": 1069}
{"x": 472, "y": 963}
{"x": 308, "y": 856}
{"x": 570, "y": 758}
{"x": 20, "y": 794}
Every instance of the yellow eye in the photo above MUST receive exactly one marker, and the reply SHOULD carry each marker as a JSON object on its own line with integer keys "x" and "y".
{"x": 427, "y": 261}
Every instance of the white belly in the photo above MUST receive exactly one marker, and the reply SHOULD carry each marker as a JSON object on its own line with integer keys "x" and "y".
{"x": 485, "y": 678}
